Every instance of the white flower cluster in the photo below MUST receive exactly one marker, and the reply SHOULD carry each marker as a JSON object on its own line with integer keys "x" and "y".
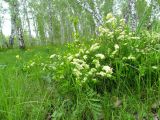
{"x": 116, "y": 47}
{"x": 52, "y": 56}
{"x": 107, "y": 71}
{"x": 114, "y": 27}
{"x": 130, "y": 57}
{"x": 94, "y": 47}
{"x": 100, "y": 56}
{"x": 89, "y": 67}
{"x": 55, "y": 56}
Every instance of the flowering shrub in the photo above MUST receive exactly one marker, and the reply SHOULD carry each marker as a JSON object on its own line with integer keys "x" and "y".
{"x": 83, "y": 71}
{"x": 101, "y": 61}
{"x": 87, "y": 66}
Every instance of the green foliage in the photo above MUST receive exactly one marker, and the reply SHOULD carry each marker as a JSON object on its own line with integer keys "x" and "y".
{"x": 112, "y": 76}
{"x": 87, "y": 70}
{"x": 144, "y": 14}
{"x": 141, "y": 6}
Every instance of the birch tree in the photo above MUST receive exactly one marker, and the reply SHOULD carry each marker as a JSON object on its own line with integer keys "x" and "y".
{"x": 130, "y": 13}
{"x": 2, "y": 37}
{"x": 25, "y": 10}
{"x": 16, "y": 24}
{"x": 133, "y": 14}
{"x": 95, "y": 12}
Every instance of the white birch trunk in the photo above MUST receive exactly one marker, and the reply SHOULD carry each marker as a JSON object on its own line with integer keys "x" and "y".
{"x": 133, "y": 15}
{"x": 19, "y": 25}
{"x": 51, "y": 33}
{"x": 2, "y": 38}
{"x": 28, "y": 21}
{"x": 96, "y": 15}
{"x": 16, "y": 24}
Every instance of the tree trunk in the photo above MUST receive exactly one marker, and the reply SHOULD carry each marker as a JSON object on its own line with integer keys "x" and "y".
{"x": 28, "y": 22}
{"x": 13, "y": 26}
{"x": 97, "y": 17}
{"x": 2, "y": 37}
{"x": 50, "y": 13}
{"x": 133, "y": 15}
{"x": 16, "y": 24}
{"x": 21, "y": 38}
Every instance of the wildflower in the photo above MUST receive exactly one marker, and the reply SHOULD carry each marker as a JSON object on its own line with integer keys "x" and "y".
{"x": 100, "y": 29}
{"x": 103, "y": 30}
{"x": 121, "y": 37}
{"x": 124, "y": 58}
{"x": 135, "y": 38}
{"x": 32, "y": 64}
{"x": 92, "y": 71}
{"x": 62, "y": 63}
{"x": 44, "y": 68}
{"x": 87, "y": 52}
{"x": 112, "y": 20}
{"x": 52, "y": 56}
{"x": 107, "y": 69}
{"x": 94, "y": 47}
{"x": 113, "y": 53}
{"x": 96, "y": 62}
{"x": 85, "y": 57}
{"x": 131, "y": 57}
{"x": 78, "y": 60}
{"x": 116, "y": 46}
{"x": 59, "y": 57}
{"x": 52, "y": 67}
{"x": 84, "y": 80}
{"x": 42, "y": 64}
{"x": 78, "y": 66}
{"x": 77, "y": 72}
{"x": 103, "y": 74}
{"x": 122, "y": 33}
{"x": 118, "y": 30}
{"x": 77, "y": 55}
{"x": 81, "y": 51}
{"x": 125, "y": 44}
{"x": 154, "y": 67}
{"x": 86, "y": 66}
{"x": 109, "y": 15}
{"x": 110, "y": 34}
{"x": 122, "y": 22}
{"x": 101, "y": 56}
{"x": 17, "y": 56}
{"x": 70, "y": 58}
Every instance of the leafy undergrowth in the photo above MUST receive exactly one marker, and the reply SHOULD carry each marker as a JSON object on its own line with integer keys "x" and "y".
{"x": 114, "y": 76}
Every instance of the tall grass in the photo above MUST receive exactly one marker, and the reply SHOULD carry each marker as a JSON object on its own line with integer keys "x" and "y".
{"x": 23, "y": 95}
